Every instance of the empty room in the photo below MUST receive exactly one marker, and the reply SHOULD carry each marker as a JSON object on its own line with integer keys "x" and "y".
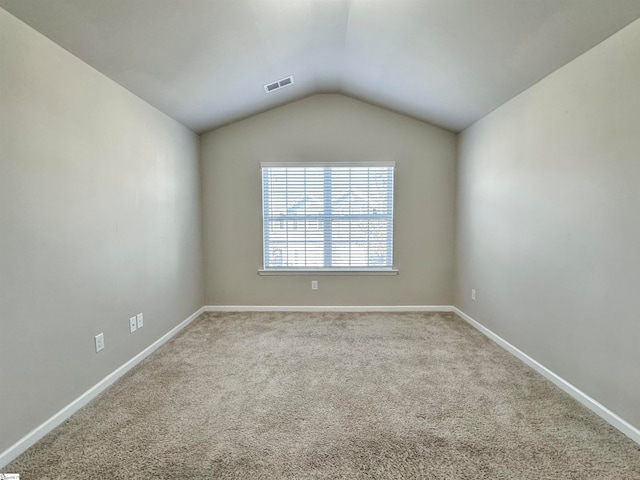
{"x": 305, "y": 239}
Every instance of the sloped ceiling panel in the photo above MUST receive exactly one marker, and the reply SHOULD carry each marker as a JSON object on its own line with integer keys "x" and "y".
{"x": 447, "y": 62}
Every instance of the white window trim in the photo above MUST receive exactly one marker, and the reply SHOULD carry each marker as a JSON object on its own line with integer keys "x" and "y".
{"x": 328, "y": 271}
{"x": 326, "y": 164}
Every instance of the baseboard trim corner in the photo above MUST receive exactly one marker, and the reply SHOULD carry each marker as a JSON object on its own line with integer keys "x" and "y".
{"x": 328, "y": 308}
{"x": 596, "y": 407}
{"x": 37, "y": 433}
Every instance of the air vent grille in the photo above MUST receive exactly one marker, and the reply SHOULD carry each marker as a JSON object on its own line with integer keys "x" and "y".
{"x": 285, "y": 82}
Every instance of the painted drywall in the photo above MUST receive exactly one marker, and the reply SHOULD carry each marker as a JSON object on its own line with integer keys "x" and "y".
{"x": 548, "y": 227}
{"x": 329, "y": 127}
{"x": 99, "y": 220}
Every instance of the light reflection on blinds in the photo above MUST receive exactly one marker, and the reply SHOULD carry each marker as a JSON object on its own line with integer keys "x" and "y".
{"x": 328, "y": 216}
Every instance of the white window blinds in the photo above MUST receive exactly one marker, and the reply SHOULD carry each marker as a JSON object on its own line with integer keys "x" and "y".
{"x": 334, "y": 216}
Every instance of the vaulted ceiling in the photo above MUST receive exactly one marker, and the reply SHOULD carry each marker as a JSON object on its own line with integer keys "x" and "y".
{"x": 205, "y": 62}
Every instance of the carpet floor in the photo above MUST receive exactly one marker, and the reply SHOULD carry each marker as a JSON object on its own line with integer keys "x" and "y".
{"x": 331, "y": 395}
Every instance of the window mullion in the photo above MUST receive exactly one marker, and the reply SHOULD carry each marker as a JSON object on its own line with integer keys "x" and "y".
{"x": 349, "y": 195}
{"x": 328, "y": 218}
{"x": 287, "y": 222}
{"x": 368, "y": 219}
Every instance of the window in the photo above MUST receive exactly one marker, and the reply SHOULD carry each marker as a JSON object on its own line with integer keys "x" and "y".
{"x": 332, "y": 217}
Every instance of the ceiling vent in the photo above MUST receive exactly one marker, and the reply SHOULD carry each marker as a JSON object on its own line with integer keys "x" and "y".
{"x": 285, "y": 82}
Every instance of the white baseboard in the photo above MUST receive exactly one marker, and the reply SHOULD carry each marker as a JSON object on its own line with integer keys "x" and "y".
{"x": 616, "y": 421}
{"x": 36, "y": 434}
{"x": 328, "y": 308}
{"x": 32, "y": 437}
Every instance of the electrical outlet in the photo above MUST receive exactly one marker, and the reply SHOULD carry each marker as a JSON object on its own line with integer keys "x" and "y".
{"x": 99, "y": 342}
{"x": 314, "y": 284}
{"x": 140, "y": 320}
{"x": 133, "y": 324}
{"x": 473, "y": 294}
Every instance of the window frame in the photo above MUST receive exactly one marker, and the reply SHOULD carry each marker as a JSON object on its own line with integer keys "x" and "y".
{"x": 310, "y": 270}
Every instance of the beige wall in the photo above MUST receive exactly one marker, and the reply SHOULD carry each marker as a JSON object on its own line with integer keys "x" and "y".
{"x": 329, "y": 128}
{"x": 549, "y": 222}
{"x": 99, "y": 220}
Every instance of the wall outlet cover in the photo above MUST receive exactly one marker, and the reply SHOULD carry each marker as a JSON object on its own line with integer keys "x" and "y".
{"x": 99, "y": 342}
{"x": 140, "y": 320}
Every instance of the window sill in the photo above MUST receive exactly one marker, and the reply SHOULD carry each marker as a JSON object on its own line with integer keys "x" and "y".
{"x": 328, "y": 271}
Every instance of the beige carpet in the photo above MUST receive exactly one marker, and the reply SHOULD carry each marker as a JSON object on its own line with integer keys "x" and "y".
{"x": 332, "y": 395}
